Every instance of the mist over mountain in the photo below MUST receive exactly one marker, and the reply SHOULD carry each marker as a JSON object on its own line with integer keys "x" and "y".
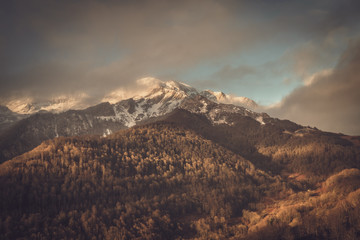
{"x": 148, "y": 87}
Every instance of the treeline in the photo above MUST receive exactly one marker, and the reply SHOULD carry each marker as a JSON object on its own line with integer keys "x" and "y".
{"x": 329, "y": 212}
{"x": 317, "y": 155}
{"x": 279, "y": 145}
{"x": 161, "y": 181}
{"x": 153, "y": 182}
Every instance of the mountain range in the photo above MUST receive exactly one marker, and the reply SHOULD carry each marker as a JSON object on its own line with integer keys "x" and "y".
{"x": 22, "y": 132}
{"x": 176, "y": 163}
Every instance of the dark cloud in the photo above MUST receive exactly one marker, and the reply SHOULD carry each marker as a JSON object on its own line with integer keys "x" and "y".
{"x": 63, "y": 47}
{"x": 310, "y": 41}
{"x": 57, "y": 45}
{"x": 331, "y": 102}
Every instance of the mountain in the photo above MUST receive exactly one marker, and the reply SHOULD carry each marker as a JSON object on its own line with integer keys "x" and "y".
{"x": 175, "y": 164}
{"x": 163, "y": 98}
{"x": 279, "y": 146}
{"x": 102, "y": 180}
{"x": 31, "y": 131}
{"x": 251, "y": 134}
{"x": 219, "y": 113}
{"x": 271, "y": 144}
{"x": 107, "y": 118}
{"x": 268, "y": 142}
{"x": 166, "y": 180}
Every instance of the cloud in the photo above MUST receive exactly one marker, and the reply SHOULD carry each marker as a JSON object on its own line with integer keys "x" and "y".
{"x": 227, "y": 75}
{"x": 231, "y": 73}
{"x": 306, "y": 58}
{"x": 98, "y": 45}
{"x": 143, "y": 86}
{"x": 318, "y": 76}
{"x": 329, "y": 99}
{"x": 50, "y": 48}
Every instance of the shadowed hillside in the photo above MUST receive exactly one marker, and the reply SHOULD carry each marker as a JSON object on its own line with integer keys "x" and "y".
{"x": 161, "y": 181}
{"x": 149, "y": 182}
{"x": 279, "y": 145}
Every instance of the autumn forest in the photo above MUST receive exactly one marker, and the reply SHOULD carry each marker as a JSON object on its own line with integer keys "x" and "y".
{"x": 164, "y": 180}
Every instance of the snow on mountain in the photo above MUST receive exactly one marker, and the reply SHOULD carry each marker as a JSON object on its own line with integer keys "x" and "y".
{"x": 27, "y": 105}
{"x": 152, "y": 97}
{"x": 156, "y": 99}
{"x": 106, "y": 118}
{"x": 166, "y": 96}
{"x": 21, "y": 105}
{"x": 219, "y": 113}
{"x": 148, "y": 87}
{"x": 162, "y": 99}
{"x": 229, "y": 99}
{"x": 64, "y": 103}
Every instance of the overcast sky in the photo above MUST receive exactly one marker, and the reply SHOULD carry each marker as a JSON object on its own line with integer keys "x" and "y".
{"x": 299, "y": 57}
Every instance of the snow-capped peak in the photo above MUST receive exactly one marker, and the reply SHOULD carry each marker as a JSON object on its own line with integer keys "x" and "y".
{"x": 179, "y": 86}
{"x": 151, "y": 96}
{"x": 27, "y": 105}
{"x": 163, "y": 98}
{"x": 149, "y": 87}
{"x": 229, "y": 99}
{"x": 171, "y": 89}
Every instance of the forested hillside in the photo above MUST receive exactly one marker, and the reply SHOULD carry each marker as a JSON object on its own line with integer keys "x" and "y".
{"x": 161, "y": 181}
{"x": 278, "y": 145}
{"x": 149, "y": 182}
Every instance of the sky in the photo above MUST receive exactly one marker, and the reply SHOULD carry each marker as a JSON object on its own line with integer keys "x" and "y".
{"x": 299, "y": 60}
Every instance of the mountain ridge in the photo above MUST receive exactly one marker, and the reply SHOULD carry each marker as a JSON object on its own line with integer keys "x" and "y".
{"x": 173, "y": 178}
{"x": 173, "y": 165}
{"x": 105, "y": 118}
{"x": 28, "y": 105}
